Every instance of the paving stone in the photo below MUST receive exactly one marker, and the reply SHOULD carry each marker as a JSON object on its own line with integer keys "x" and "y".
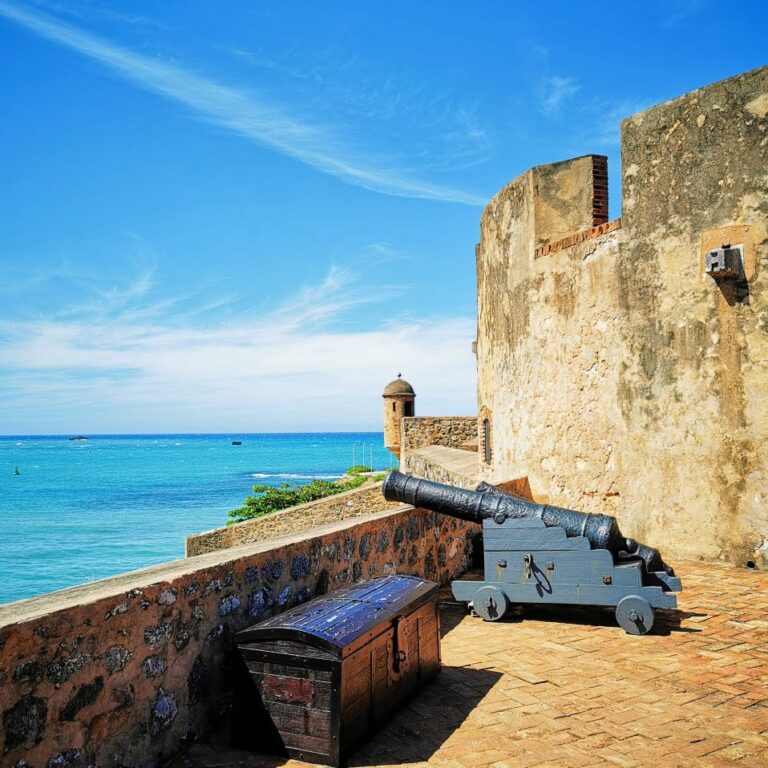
{"x": 569, "y": 689}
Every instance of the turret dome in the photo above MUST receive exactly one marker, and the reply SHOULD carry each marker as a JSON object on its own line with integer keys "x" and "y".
{"x": 398, "y": 387}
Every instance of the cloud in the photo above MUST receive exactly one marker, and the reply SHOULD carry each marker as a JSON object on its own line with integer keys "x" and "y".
{"x": 129, "y": 367}
{"x": 95, "y": 9}
{"x": 337, "y": 293}
{"x": 680, "y": 11}
{"x": 554, "y": 91}
{"x": 444, "y": 135}
{"x": 241, "y": 112}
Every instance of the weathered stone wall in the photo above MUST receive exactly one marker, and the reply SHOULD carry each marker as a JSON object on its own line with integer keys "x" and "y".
{"x": 694, "y": 389}
{"x": 569, "y": 196}
{"x": 343, "y": 506}
{"x": 424, "y": 465}
{"x": 451, "y": 431}
{"x": 618, "y": 376}
{"x": 551, "y": 390}
{"x": 125, "y": 671}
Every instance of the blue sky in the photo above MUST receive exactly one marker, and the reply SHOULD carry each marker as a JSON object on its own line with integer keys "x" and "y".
{"x": 250, "y": 216}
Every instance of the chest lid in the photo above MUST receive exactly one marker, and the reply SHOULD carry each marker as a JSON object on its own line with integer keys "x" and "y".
{"x": 337, "y": 621}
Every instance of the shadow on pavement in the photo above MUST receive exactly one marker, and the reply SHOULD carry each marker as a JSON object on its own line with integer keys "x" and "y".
{"x": 425, "y": 722}
{"x": 429, "y": 720}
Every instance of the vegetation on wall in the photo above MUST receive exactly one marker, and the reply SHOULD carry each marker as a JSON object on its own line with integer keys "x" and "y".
{"x": 361, "y": 469}
{"x": 268, "y": 498}
{"x": 358, "y": 469}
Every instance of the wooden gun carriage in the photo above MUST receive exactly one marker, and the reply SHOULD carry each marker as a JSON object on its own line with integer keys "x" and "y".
{"x": 537, "y": 553}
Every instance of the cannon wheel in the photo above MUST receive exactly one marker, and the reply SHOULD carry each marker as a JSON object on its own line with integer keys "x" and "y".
{"x": 490, "y": 603}
{"x": 635, "y": 615}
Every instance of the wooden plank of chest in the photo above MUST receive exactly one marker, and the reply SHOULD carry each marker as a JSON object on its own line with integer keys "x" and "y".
{"x": 410, "y": 642}
{"x": 288, "y": 670}
{"x": 292, "y": 718}
{"x": 356, "y": 677}
{"x": 429, "y": 641}
{"x": 380, "y": 664}
{"x": 294, "y": 690}
{"x": 303, "y": 741}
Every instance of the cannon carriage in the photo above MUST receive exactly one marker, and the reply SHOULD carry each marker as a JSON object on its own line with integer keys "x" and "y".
{"x": 542, "y": 554}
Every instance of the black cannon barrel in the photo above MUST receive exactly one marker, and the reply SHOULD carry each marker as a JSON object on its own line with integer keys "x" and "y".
{"x": 488, "y": 502}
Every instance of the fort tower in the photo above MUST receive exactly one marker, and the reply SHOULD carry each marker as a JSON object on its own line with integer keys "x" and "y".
{"x": 399, "y": 400}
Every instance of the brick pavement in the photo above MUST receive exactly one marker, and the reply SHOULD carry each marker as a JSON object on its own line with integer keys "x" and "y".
{"x": 567, "y": 688}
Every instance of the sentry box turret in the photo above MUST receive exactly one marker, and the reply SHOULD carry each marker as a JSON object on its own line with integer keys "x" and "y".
{"x": 537, "y": 553}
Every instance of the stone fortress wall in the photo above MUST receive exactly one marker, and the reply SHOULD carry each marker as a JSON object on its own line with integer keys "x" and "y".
{"x": 333, "y": 509}
{"x": 614, "y": 372}
{"x": 425, "y": 442}
{"x": 433, "y": 467}
{"x": 452, "y": 431}
{"x": 126, "y": 671}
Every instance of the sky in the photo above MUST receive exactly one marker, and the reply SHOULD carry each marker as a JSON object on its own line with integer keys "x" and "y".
{"x": 250, "y": 217}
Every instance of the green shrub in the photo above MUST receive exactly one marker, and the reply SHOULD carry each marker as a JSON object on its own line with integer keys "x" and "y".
{"x": 358, "y": 469}
{"x": 272, "y": 499}
{"x": 353, "y": 482}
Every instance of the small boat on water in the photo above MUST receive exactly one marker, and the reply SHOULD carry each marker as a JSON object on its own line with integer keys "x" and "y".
{"x": 237, "y": 442}
{"x": 78, "y": 437}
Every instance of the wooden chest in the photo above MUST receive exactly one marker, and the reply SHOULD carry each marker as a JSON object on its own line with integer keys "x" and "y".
{"x": 323, "y": 675}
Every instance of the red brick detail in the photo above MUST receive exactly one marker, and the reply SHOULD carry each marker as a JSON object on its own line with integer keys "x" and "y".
{"x": 578, "y": 237}
{"x": 600, "y": 190}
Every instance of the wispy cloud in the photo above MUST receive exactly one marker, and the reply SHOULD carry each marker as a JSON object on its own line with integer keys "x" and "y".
{"x": 95, "y": 9}
{"x": 337, "y": 293}
{"x": 445, "y": 135}
{"x": 554, "y": 91}
{"x": 680, "y": 11}
{"x": 287, "y": 368}
{"x": 242, "y": 112}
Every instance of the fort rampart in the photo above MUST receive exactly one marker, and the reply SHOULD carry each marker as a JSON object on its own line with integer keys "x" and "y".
{"x": 126, "y": 671}
{"x": 450, "y": 431}
{"x": 614, "y": 372}
{"x": 333, "y": 509}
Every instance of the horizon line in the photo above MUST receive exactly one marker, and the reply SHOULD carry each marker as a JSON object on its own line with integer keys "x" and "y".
{"x": 90, "y": 435}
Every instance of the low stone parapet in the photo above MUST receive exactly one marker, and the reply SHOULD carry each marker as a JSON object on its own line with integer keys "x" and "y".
{"x": 127, "y": 670}
{"x": 443, "y": 465}
{"x": 449, "y": 431}
{"x": 332, "y": 509}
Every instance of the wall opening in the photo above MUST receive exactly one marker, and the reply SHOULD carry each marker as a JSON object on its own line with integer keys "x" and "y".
{"x": 487, "y": 441}
{"x": 408, "y": 409}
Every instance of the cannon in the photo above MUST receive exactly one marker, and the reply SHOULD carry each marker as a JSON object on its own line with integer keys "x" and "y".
{"x": 539, "y": 553}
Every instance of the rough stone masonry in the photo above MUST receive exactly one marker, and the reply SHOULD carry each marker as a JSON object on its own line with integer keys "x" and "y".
{"x": 614, "y": 373}
{"x": 127, "y": 671}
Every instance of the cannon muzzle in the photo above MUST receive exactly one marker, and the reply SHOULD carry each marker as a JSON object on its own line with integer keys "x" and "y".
{"x": 488, "y": 502}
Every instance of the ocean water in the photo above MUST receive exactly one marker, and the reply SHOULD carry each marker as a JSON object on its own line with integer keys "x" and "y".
{"x": 83, "y": 510}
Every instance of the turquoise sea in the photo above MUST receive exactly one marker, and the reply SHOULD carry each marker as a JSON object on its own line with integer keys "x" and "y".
{"x": 81, "y": 510}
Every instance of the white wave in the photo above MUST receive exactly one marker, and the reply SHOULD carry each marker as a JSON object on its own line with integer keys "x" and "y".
{"x": 294, "y": 476}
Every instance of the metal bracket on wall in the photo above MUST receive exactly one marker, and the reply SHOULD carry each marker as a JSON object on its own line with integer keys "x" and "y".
{"x": 725, "y": 262}
{"x": 728, "y": 256}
